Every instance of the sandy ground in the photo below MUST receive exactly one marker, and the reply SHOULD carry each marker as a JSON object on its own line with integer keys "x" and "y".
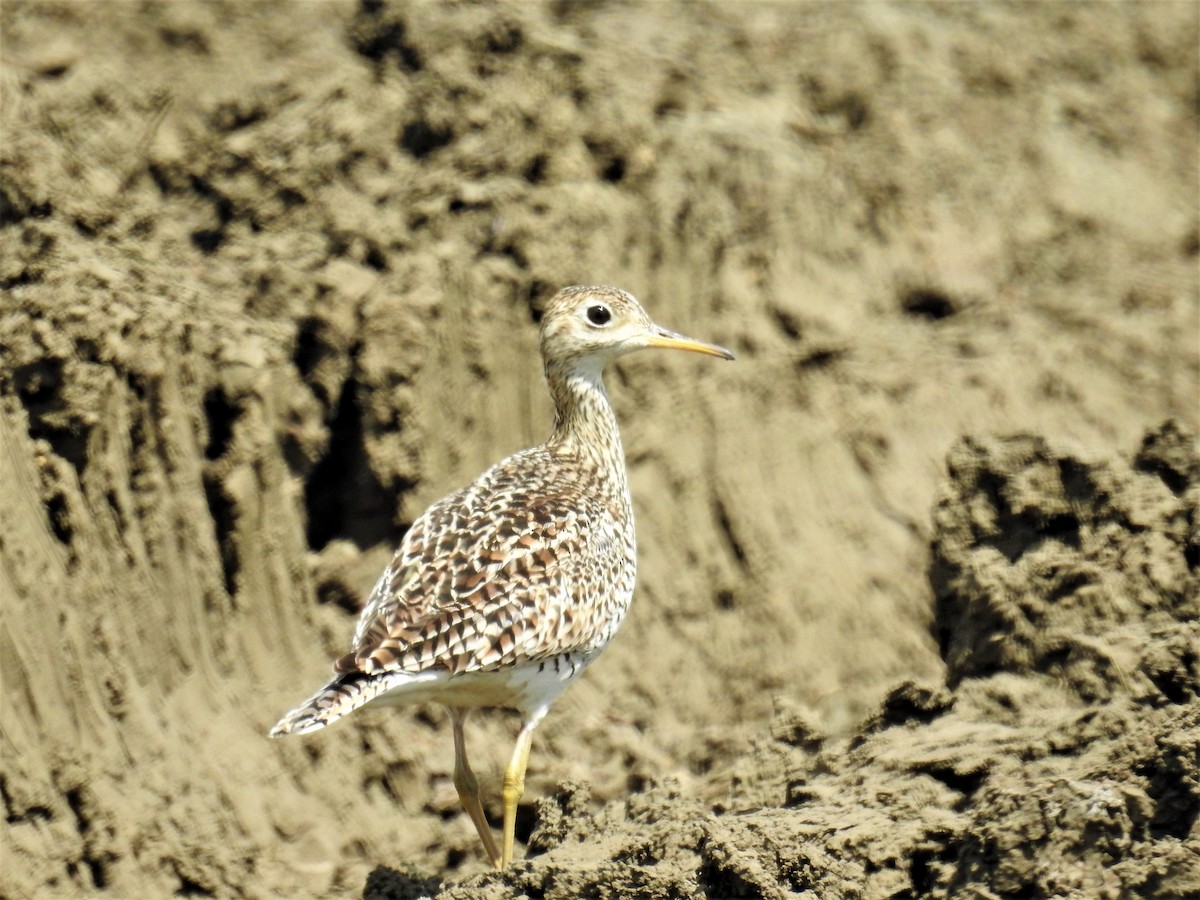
{"x": 919, "y": 576}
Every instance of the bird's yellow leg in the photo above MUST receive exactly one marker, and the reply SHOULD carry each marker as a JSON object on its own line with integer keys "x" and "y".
{"x": 467, "y": 786}
{"x": 514, "y": 785}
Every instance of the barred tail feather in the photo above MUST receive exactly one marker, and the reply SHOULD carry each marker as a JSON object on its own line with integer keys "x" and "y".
{"x": 341, "y": 696}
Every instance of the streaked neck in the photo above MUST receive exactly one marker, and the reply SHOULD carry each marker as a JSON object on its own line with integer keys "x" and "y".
{"x": 583, "y": 417}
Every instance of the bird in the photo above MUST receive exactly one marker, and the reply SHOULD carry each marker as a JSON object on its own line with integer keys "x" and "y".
{"x": 502, "y": 593}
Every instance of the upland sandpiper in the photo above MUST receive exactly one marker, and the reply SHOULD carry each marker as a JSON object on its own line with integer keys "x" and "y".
{"x": 502, "y": 593}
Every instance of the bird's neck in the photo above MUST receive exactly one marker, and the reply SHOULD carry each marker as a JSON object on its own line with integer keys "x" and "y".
{"x": 584, "y": 421}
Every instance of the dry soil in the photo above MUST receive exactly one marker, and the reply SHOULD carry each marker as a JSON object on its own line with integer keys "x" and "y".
{"x": 918, "y": 590}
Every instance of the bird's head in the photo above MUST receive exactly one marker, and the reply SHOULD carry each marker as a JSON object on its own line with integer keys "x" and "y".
{"x": 590, "y": 326}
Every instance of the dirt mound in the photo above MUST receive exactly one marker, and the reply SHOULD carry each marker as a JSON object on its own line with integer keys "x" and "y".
{"x": 268, "y": 276}
{"x": 1037, "y": 774}
{"x": 1078, "y": 569}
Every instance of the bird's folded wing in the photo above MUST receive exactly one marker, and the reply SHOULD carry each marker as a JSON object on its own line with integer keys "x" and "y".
{"x": 471, "y": 592}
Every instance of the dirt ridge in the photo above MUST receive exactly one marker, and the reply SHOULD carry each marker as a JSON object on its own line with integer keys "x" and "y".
{"x": 268, "y": 281}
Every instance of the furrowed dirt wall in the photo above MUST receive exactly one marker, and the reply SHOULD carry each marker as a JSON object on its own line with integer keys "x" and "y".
{"x": 268, "y": 276}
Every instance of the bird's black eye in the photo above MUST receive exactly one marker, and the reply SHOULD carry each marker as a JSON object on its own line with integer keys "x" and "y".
{"x": 599, "y": 315}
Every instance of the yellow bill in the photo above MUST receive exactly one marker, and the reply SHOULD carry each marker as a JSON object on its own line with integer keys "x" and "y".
{"x": 669, "y": 340}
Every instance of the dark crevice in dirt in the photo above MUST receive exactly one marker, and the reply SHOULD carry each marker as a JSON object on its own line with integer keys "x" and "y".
{"x": 1076, "y": 479}
{"x": 95, "y": 871}
{"x": 75, "y": 800}
{"x": 1176, "y": 802}
{"x": 224, "y": 516}
{"x": 637, "y": 855}
{"x": 310, "y": 350}
{"x": 614, "y": 170}
{"x": 788, "y": 322}
{"x": 965, "y": 783}
{"x": 343, "y": 496}
{"x": 1063, "y": 527}
{"x": 535, "y": 172}
{"x": 189, "y": 39}
{"x": 98, "y": 869}
{"x": 221, "y": 416}
{"x": 15, "y": 816}
{"x": 420, "y": 138}
{"x": 536, "y": 295}
{"x": 39, "y": 387}
{"x": 381, "y": 782}
{"x": 504, "y": 38}
{"x": 942, "y": 629}
{"x": 928, "y": 303}
{"x": 141, "y": 449}
{"x": 1191, "y": 556}
{"x": 385, "y": 883}
{"x": 521, "y": 261}
{"x": 851, "y": 109}
{"x": 718, "y": 880}
{"x": 208, "y": 240}
{"x": 376, "y": 258}
{"x": 1179, "y": 679}
{"x": 162, "y": 178}
{"x": 610, "y": 162}
{"x": 97, "y": 866}
{"x": 222, "y": 205}
{"x": 59, "y": 514}
{"x": 1071, "y": 582}
{"x": 1166, "y": 454}
{"x": 727, "y": 530}
{"x": 15, "y": 207}
{"x": 379, "y": 32}
{"x": 526, "y": 821}
{"x": 1016, "y": 533}
{"x": 291, "y": 198}
{"x": 69, "y": 442}
{"x": 927, "y": 860}
{"x": 188, "y": 886}
{"x": 235, "y": 115}
{"x": 818, "y": 358}
{"x": 24, "y": 277}
{"x": 86, "y": 229}
{"x": 912, "y": 702}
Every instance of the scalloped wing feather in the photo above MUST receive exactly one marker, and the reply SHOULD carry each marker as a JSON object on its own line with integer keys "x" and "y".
{"x": 495, "y": 573}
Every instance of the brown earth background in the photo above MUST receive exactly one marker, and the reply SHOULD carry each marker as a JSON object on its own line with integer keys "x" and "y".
{"x": 918, "y": 588}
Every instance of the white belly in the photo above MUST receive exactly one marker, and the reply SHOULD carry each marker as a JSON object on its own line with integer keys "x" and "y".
{"x": 525, "y": 687}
